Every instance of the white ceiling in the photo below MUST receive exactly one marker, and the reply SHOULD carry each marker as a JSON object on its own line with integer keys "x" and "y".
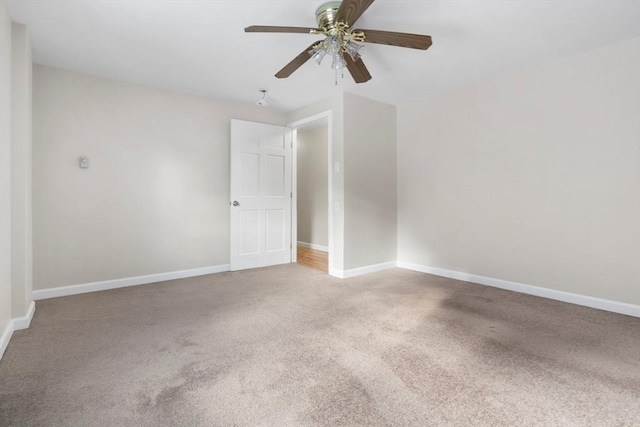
{"x": 199, "y": 47}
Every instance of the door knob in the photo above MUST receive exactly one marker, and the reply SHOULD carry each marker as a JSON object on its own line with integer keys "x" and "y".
{"x": 235, "y": 203}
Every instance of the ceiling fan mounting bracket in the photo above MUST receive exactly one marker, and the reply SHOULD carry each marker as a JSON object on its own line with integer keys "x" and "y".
{"x": 357, "y": 36}
{"x": 326, "y": 19}
{"x": 326, "y": 15}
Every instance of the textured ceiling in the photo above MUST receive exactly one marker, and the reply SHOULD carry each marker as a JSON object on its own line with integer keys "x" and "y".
{"x": 199, "y": 47}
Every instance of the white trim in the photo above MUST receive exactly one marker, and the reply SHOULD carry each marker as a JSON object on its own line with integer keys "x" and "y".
{"x": 23, "y": 322}
{"x": 313, "y": 246}
{"x": 294, "y": 194}
{"x": 345, "y": 274}
{"x": 310, "y": 119}
{"x": 16, "y": 324}
{"x": 127, "y": 281}
{"x": 328, "y": 115}
{"x": 6, "y": 336}
{"x": 584, "y": 300}
{"x": 336, "y": 273}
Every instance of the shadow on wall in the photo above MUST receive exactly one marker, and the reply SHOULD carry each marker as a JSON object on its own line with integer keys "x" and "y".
{"x": 312, "y": 183}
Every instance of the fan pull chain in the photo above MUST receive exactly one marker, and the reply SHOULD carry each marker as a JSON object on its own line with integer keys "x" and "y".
{"x": 341, "y": 76}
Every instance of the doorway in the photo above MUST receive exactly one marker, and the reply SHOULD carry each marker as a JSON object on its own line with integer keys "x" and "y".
{"x": 312, "y": 219}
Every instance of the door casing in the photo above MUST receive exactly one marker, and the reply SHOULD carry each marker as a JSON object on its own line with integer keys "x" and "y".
{"x": 326, "y": 115}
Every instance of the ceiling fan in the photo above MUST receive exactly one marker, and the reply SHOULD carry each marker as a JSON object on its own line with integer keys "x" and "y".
{"x": 335, "y": 20}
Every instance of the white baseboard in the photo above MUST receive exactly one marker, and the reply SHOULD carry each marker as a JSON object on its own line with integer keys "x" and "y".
{"x": 587, "y": 301}
{"x": 63, "y": 291}
{"x": 314, "y": 246}
{"x": 345, "y": 274}
{"x": 336, "y": 273}
{"x": 6, "y": 336}
{"x": 16, "y": 324}
{"x": 24, "y": 321}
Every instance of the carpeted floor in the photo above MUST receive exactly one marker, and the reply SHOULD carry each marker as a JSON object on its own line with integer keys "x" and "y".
{"x": 291, "y": 346}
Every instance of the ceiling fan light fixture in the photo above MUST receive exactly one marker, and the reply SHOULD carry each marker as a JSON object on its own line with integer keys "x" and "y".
{"x": 335, "y": 45}
{"x": 336, "y": 21}
{"x": 332, "y": 44}
{"x": 338, "y": 63}
{"x": 318, "y": 54}
{"x": 353, "y": 49}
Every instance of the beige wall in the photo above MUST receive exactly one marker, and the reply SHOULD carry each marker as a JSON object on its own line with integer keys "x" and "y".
{"x": 5, "y": 168}
{"x": 156, "y": 195}
{"x": 364, "y": 188}
{"x": 312, "y": 203}
{"x": 532, "y": 178}
{"x": 370, "y": 187}
{"x": 15, "y": 176}
{"x": 21, "y": 155}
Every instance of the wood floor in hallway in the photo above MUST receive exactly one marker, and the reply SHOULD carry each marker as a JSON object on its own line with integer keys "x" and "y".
{"x": 313, "y": 258}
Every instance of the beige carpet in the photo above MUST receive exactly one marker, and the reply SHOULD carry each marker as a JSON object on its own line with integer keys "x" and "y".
{"x": 291, "y": 346}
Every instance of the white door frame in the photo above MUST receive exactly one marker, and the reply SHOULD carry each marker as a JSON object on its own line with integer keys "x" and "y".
{"x": 294, "y": 183}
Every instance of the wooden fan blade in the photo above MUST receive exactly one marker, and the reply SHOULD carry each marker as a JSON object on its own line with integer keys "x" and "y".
{"x": 351, "y": 10}
{"x": 357, "y": 69}
{"x": 296, "y": 63}
{"x": 413, "y": 41}
{"x": 271, "y": 29}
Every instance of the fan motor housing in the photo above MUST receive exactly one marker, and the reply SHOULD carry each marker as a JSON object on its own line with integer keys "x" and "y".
{"x": 326, "y": 14}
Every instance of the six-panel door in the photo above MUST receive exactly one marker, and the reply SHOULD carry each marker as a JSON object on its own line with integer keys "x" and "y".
{"x": 260, "y": 195}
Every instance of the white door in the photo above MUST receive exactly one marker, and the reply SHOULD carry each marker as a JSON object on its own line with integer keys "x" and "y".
{"x": 260, "y": 195}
